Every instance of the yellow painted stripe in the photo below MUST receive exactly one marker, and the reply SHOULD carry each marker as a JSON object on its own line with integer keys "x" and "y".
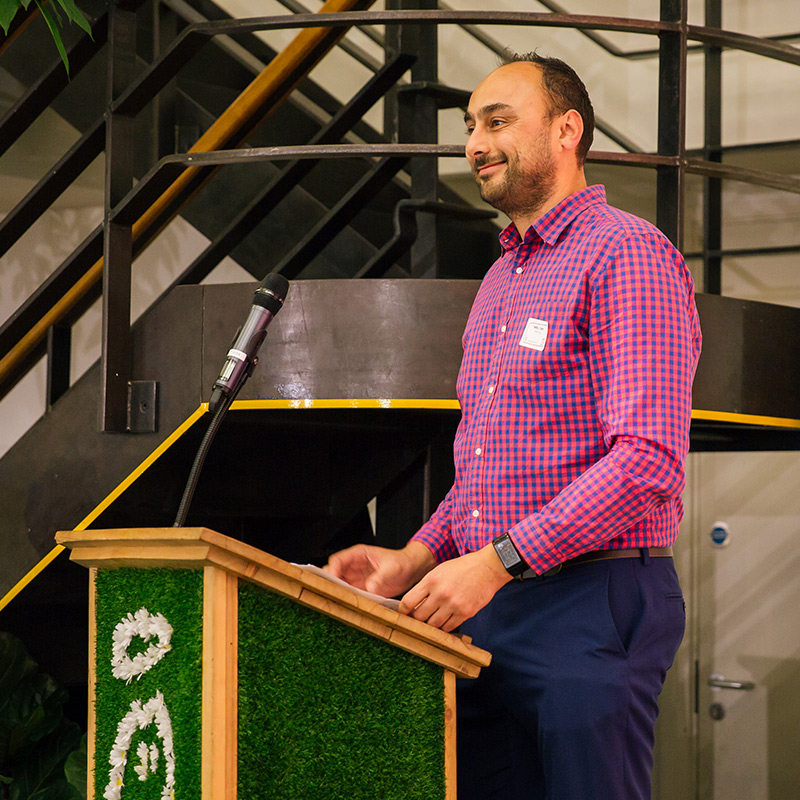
{"x": 746, "y": 419}
{"x": 345, "y": 402}
{"x": 413, "y": 403}
{"x": 21, "y": 584}
{"x": 144, "y": 466}
{"x": 310, "y": 403}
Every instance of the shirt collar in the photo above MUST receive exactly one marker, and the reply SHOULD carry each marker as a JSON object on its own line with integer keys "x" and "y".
{"x": 550, "y": 226}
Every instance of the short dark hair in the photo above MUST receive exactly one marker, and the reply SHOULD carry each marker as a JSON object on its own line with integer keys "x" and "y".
{"x": 565, "y": 90}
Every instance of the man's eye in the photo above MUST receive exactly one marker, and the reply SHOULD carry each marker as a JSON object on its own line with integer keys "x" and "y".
{"x": 495, "y": 122}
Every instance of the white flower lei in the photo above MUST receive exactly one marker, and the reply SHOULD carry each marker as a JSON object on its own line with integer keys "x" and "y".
{"x": 138, "y": 718}
{"x": 147, "y": 626}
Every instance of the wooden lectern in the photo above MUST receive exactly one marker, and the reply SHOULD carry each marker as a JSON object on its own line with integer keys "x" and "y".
{"x": 219, "y": 671}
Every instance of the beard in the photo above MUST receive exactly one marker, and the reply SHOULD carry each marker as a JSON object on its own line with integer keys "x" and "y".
{"x": 519, "y": 192}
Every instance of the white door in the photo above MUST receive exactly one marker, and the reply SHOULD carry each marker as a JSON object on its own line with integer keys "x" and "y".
{"x": 748, "y": 623}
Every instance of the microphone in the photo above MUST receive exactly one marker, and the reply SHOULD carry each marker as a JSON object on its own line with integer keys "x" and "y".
{"x": 242, "y": 356}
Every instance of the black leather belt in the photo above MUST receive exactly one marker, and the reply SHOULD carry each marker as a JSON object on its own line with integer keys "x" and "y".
{"x": 602, "y": 555}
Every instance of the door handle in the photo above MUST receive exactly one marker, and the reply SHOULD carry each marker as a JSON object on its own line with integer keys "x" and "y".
{"x": 720, "y": 682}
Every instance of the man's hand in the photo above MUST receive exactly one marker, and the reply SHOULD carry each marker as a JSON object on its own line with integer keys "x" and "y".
{"x": 456, "y": 590}
{"x": 380, "y": 570}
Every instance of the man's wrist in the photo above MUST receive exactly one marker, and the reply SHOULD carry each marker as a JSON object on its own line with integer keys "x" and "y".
{"x": 421, "y": 557}
{"x": 508, "y": 555}
{"x": 494, "y": 564}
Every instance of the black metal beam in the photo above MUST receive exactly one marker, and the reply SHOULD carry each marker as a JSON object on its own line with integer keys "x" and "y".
{"x": 193, "y": 37}
{"x": 339, "y": 216}
{"x": 52, "y": 185}
{"x": 417, "y": 121}
{"x": 357, "y": 18}
{"x": 610, "y": 47}
{"x": 352, "y": 49}
{"x": 347, "y": 116}
{"x": 772, "y": 180}
{"x": 39, "y": 96}
{"x": 742, "y": 41}
{"x": 60, "y": 281}
{"x": 118, "y": 247}
{"x": 59, "y": 347}
{"x": 712, "y": 142}
{"x": 405, "y": 231}
{"x": 166, "y": 170}
{"x": 672, "y": 121}
{"x": 22, "y": 19}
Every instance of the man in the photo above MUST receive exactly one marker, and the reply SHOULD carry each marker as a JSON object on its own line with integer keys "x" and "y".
{"x": 575, "y": 390}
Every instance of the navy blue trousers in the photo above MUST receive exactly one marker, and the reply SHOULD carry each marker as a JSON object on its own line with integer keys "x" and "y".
{"x": 567, "y": 708}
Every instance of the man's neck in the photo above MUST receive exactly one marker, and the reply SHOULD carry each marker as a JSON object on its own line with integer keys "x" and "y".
{"x": 563, "y": 190}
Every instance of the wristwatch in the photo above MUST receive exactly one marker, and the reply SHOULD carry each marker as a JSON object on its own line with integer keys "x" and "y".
{"x": 509, "y": 555}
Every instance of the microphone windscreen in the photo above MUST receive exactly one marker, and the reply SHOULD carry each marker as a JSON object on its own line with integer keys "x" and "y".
{"x": 272, "y": 293}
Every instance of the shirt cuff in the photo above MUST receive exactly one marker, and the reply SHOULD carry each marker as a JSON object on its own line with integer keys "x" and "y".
{"x": 441, "y": 546}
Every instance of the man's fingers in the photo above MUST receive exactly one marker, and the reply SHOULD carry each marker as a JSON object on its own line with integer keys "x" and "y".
{"x": 411, "y": 601}
{"x": 427, "y": 610}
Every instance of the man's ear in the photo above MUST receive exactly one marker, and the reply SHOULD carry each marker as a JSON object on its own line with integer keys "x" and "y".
{"x": 570, "y": 130}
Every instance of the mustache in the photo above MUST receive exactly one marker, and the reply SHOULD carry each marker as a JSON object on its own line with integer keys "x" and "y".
{"x": 482, "y": 161}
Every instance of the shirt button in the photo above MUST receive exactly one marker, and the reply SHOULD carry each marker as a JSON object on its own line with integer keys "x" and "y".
{"x": 502, "y": 328}
{"x": 476, "y": 513}
{"x": 519, "y": 270}
{"x": 478, "y": 451}
{"x": 491, "y": 389}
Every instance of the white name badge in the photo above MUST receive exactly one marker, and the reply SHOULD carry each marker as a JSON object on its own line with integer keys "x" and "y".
{"x": 534, "y": 335}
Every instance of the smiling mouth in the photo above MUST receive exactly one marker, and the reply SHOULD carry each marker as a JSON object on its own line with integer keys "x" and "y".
{"x": 479, "y": 170}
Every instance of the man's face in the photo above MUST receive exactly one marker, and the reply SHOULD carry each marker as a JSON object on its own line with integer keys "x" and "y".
{"x": 510, "y": 145}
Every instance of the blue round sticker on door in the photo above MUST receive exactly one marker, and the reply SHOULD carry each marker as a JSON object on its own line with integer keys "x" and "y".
{"x": 720, "y": 534}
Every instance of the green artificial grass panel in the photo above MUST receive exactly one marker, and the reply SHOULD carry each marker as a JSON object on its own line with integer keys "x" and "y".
{"x": 327, "y": 712}
{"x": 178, "y": 595}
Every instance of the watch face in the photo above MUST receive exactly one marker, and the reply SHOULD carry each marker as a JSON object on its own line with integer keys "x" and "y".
{"x": 507, "y": 552}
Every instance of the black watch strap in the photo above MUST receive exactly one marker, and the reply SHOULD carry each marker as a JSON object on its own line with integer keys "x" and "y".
{"x": 509, "y": 555}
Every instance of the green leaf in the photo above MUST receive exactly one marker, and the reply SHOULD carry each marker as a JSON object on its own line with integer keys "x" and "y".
{"x": 74, "y": 14}
{"x": 51, "y": 23}
{"x": 8, "y": 10}
{"x": 75, "y": 768}
{"x": 53, "y": 9}
{"x": 35, "y": 738}
{"x": 30, "y": 713}
{"x": 41, "y": 775}
{"x": 19, "y": 677}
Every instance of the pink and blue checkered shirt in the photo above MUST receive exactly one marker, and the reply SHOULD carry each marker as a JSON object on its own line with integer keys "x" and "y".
{"x": 575, "y": 391}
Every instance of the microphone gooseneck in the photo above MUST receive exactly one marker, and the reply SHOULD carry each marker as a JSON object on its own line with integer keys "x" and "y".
{"x": 238, "y": 367}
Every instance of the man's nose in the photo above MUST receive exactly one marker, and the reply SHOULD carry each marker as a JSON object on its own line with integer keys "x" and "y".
{"x": 476, "y": 145}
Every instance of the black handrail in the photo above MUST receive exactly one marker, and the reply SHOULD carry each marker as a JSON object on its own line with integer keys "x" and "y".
{"x": 618, "y": 52}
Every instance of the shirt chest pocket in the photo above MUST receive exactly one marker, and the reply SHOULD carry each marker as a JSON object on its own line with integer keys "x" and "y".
{"x": 543, "y": 345}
